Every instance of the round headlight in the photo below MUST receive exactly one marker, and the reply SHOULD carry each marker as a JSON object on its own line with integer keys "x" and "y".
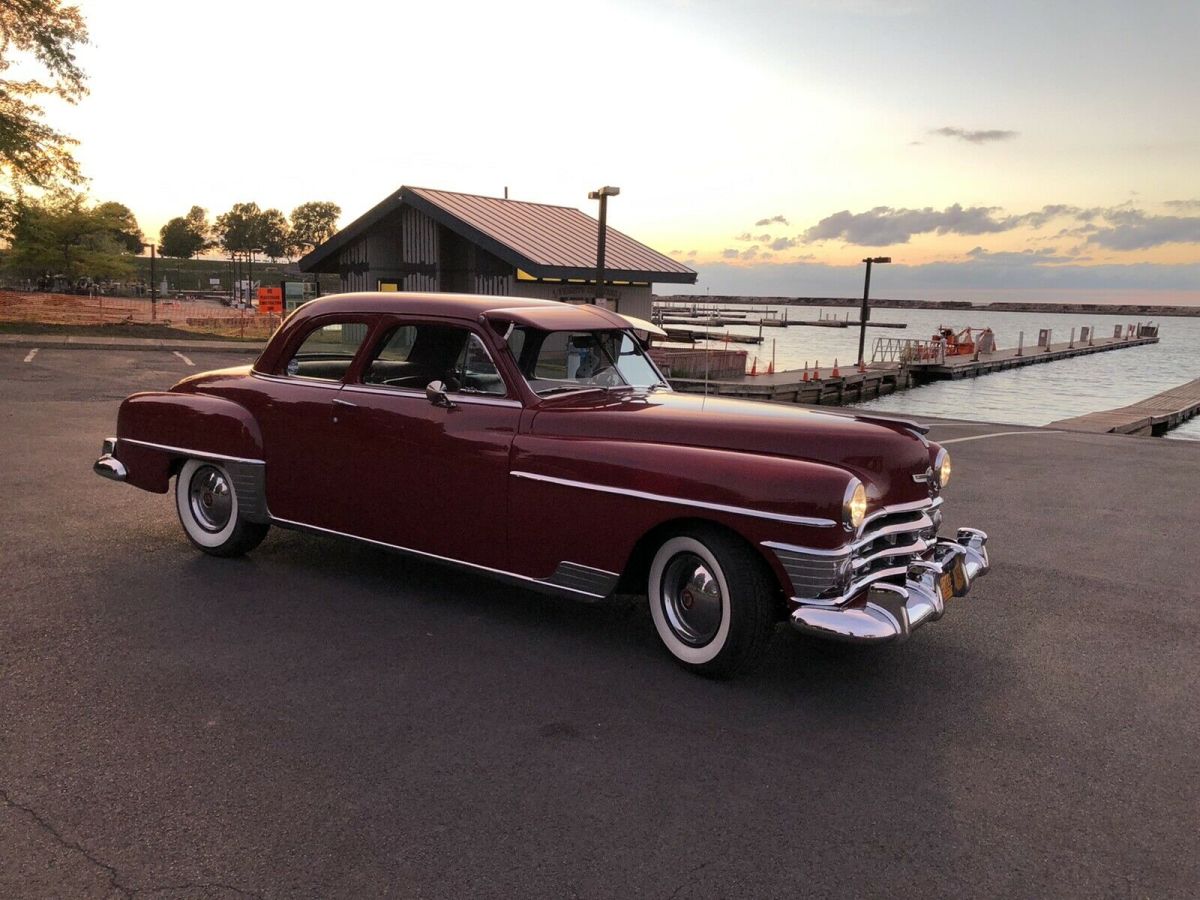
{"x": 854, "y": 508}
{"x": 941, "y": 468}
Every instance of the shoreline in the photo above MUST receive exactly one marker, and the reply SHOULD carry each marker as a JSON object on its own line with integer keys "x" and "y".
{"x": 1091, "y": 309}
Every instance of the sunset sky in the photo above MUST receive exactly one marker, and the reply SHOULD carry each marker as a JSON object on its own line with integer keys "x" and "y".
{"x": 995, "y": 150}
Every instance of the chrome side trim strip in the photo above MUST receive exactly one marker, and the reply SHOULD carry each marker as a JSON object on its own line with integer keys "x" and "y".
{"x": 660, "y": 498}
{"x": 501, "y": 573}
{"x": 199, "y": 454}
{"x": 797, "y": 548}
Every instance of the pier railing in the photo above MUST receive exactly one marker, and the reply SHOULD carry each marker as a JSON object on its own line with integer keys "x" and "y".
{"x": 908, "y": 351}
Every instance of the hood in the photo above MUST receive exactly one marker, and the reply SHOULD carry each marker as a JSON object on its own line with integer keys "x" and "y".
{"x": 883, "y": 453}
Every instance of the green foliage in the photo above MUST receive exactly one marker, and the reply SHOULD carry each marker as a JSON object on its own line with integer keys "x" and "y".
{"x": 246, "y": 227}
{"x": 32, "y": 154}
{"x": 275, "y": 235}
{"x": 314, "y": 223}
{"x": 62, "y": 235}
{"x": 185, "y": 236}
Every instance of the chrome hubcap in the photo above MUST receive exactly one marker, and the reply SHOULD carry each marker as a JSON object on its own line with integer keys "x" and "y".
{"x": 211, "y": 498}
{"x": 691, "y": 599}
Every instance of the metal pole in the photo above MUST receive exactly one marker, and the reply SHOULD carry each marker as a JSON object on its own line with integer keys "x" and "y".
{"x": 153, "y": 288}
{"x": 250, "y": 278}
{"x": 864, "y": 315}
{"x": 601, "y": 236}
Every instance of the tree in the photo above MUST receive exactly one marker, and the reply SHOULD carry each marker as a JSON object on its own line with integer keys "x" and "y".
{"x": 32, "y": 154}
{"x": 314, "y": 223}
{"x": 274, "y": 235}
{"x": 185, "y": 236}
{"x": 236, "y": 231}
{"x": 61, "y": 235}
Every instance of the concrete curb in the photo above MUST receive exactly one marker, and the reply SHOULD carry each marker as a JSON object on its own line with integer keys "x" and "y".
{"x": 86, "y": 342}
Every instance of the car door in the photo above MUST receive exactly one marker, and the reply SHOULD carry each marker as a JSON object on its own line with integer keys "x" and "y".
{"x": 299, "y": 417}
{"x": 428, "y": 476}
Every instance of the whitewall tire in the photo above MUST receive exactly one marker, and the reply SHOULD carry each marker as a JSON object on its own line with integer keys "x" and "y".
{"x": 711, "y": 601}
{"x": 207, "y": 503}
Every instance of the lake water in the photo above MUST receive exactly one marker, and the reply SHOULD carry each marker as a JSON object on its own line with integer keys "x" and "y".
{"x": 1031, "y": 395}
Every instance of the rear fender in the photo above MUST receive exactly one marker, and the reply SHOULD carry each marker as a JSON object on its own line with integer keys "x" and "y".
{"x": 158, "y": 431}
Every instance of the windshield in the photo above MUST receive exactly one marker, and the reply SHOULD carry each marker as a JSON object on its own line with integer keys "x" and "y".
{"x": 557, "y": 361}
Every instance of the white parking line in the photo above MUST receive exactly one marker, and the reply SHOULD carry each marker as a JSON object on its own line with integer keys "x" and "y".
{"x": 31, "y": 354}
{"x": 184, "y": 358}
{"x": 980, "y": 437}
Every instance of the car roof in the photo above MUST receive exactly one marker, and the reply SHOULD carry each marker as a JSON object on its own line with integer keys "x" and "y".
{"x": 551, "y": 315}
{"x": 465, "y": 306}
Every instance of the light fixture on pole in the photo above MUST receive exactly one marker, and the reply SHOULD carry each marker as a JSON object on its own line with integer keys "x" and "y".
{"x": 865, "y": 313}
{"x": 601, "y": 233}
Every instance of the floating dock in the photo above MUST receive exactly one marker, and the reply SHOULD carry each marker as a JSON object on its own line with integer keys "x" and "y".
{"x": 820, "y": 388}
{"x": 1153, "y": 416}
{"x": 985, "y": 363}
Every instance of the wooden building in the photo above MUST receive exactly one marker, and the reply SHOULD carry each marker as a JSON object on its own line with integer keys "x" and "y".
{"x": 426, "y": 240}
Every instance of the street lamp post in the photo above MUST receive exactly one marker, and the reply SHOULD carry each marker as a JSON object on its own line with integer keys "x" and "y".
{"x": 865, "y": 313}
{"x": 250, "y": 275}
{"x": 602, "y": 233}
{"x": 153, "y": 285}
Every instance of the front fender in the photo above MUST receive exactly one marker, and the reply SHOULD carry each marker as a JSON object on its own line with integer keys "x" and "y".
{"x": 590, "y": 501}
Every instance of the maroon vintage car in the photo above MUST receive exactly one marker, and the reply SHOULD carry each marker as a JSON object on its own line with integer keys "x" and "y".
{"x": 537, "y": 442}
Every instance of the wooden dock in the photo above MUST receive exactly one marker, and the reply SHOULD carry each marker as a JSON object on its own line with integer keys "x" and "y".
{"x": 1153, "y": 416}
{"x": 850, "y": 386}
{"x": 986, "y": 363}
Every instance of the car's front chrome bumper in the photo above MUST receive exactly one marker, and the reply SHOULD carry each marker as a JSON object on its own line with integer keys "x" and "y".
{"x": 887, "y": 611}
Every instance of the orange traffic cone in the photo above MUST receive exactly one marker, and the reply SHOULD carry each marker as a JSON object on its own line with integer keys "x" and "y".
{"x": 754, "y": 367}
{"x": 817, "y": 371}
{"x": 804, "y": 372}
{"x": 771, "y": 367}
{"x": 836, "y": 373}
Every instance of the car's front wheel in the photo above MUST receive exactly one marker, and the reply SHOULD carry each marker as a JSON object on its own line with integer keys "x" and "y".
{"x": 711, "y": 601}
{"x": 207, "y": 502}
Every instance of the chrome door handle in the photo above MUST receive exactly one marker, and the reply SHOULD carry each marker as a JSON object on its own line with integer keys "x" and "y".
{"x": 345, "y": 403}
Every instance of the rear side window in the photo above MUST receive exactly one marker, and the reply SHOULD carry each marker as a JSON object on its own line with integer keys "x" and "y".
{"x": 411, "y": 356}
{"x": 327, "y": 352}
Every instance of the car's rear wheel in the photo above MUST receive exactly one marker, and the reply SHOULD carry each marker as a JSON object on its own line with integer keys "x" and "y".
{"x": 207, "y": 503}
{"x": 711, "y": 601}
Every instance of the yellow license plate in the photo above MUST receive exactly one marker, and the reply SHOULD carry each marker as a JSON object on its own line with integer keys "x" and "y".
{"x": 954, "y": 582}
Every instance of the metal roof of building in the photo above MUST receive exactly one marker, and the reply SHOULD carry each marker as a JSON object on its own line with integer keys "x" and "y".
{"x": 544, "y": 240}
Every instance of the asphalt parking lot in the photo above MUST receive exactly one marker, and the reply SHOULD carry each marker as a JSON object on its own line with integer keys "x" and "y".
{"x": 323, "y": 719}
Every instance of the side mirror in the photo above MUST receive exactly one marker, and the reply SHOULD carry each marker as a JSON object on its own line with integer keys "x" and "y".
{"x": 435, "y": 393}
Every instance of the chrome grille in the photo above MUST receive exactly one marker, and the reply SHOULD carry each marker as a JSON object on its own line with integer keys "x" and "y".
{"x": 890, "y": 540}
{"x": 813, "y": 574}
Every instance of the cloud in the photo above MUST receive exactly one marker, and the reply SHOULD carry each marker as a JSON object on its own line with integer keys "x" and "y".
{"x": 884, "y": 226}
{"x": 1040, "y": 257}
{"x": 1185, "y": 205}
{"x": 774, "y": 220}
{"x": 784, "y": 243}
{"x": 730, "y": 253}
{"x": 691, "y": 253}
{"x": 1134, "y": 230}
{"x": 970, "y": 278}
{"x": 750, "y": 252}
{"x": 744, "y": 236}
{"x": 983, "y": 136}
